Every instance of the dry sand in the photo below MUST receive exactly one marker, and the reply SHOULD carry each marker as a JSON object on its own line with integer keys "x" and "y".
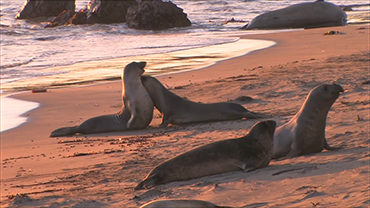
{"x": 103, "y": 169}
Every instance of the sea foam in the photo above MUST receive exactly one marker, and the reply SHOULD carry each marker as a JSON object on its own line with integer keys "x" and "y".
{"x": 12, "y": 112}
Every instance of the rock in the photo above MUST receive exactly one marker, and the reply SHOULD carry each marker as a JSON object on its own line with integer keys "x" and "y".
{"x": 62, "y": 19}
{"x": 108, "y": 11}
{"x": 44, "y": 8}
{"x": 156, "y": 15}
{"x": 79, "y": 18}
{"x": 96, "y": 11}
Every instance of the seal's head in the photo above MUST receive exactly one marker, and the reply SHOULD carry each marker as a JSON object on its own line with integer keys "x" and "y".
{"x": 263, "y": 131}
{"x": 320, "y": 99}
{"x": 137, "y": 67}
{"x": 264, "y": 126}
{"x": 326, "y": 92}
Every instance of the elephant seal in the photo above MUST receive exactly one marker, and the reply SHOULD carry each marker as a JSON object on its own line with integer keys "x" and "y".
{"x": 135, "y": 96}
{"x": 303, "y": 15}
{"x": 305, "y": 132}
{"x": 177, "y": 110}
{"x": 246, "y": 153}
{"x": 181, "y": 203}
{"x": 136, "y": 112}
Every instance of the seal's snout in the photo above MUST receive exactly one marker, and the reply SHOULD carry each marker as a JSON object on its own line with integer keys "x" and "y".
{"x": 271, "y": 126}
{"x": 142, "y": 64}
{"x": 340, "y": 88}
{"x": 337, "y": 90}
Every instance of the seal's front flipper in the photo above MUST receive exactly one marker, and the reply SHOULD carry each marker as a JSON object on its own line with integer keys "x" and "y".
{"x": 166, "y": 119}
{"x": 249, "y": 169}
{"x": 133, "y": 115}
{"x": 140, "y": 185}
{"x": 326, "y": 146}
{"x": 65, "y": 131}
{"x": 147, "y": 183}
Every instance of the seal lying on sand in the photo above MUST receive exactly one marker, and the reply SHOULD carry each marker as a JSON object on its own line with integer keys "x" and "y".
{"x": 246, "y": 153}
{"x": 181, "y": 203}
{"x": 177, "y": 110}
{"x": 303, "y": 15}
{"x": 136, "y": 113}
{"x": 305, "y": 132}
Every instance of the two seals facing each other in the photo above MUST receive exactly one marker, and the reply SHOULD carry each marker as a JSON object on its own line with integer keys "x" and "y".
{"x": 305, "y": 132}
{"x": 177, "y": 110}
{"x": 138, "y": 95}
{"x": 246, "y": 153}
{"x": 136, "y": 112}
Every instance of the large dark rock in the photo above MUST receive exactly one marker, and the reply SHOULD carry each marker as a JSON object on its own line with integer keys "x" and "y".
{"x": 108, "y": 11}
{"x": 44, "y": 8}
{"x": 156, "y": 15}
{"x": 97, "y": 11}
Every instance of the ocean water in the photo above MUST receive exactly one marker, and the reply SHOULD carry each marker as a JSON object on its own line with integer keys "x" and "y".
{"x": 32, "y": 56}
{"x": 31, "y": 52}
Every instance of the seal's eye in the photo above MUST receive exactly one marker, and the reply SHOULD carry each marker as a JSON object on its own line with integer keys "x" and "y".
{"x": 325, "y": 87}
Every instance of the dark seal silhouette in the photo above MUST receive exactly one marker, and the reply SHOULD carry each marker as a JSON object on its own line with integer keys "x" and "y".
{"x": 246, "y": 153}
{"x": 303, "y": 15}
{"x": 177, "y": 110}
{"x": 136, "y": 113}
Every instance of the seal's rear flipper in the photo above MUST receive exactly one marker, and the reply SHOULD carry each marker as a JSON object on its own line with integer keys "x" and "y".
{"x": 65, "y": 131}
{"x": 254, "y": 115}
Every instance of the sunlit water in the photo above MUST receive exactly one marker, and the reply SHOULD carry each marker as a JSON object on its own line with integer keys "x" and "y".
{"x": 34, "y": 56}
{"x": 27, "y": 49}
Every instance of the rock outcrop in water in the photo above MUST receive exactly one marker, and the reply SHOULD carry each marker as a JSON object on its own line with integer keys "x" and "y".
{"x": 156, "y": 15}
{"x": 62, "y": 18}
{"x": 97, "y": 11}
{"x": 303, "y": 15}
{"x": 44, "y": 8}
{"x": 108, "y": 11}
{"x": 146, "y": 15}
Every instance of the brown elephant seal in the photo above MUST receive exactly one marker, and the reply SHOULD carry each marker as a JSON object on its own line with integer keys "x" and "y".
{"x": 181, "y": 203}
{"x": 136, "y": 112}
{"x": 303, "y": 15}
{"x": 135, "y": 96}
{"x": 177, "y": 110}
{"x": 305, "y": 132}
{"x": 246, "y": 153}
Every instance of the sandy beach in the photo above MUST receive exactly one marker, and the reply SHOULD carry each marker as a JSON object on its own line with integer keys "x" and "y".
{"x": 100, "y": 170}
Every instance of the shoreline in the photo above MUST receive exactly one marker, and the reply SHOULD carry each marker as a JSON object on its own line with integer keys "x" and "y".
{"x": 278, "y": 79}
{"x": 158, "y": 64}
{"x": 193, "y": 59}
{"x": 175, "y": 78}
